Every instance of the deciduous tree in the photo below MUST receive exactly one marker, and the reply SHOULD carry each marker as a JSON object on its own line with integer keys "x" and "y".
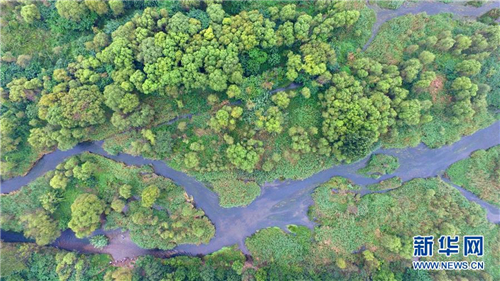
{"x": 40, "y": 226}
{"x": 30, "y": 13}
{"x": 149, "y": 196}
{"x": 85, "y": 214}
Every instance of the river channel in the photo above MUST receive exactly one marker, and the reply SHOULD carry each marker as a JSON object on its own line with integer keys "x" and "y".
{"x": 280, "y": 203}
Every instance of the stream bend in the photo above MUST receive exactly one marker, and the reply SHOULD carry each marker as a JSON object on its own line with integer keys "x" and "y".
{"x": 280, "y": 203}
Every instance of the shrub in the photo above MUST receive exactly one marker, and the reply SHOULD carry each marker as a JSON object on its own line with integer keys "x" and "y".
{"x": 99, "y": 241}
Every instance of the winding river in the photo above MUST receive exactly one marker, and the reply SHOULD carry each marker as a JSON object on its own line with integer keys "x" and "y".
{"x": 280, "y": 203}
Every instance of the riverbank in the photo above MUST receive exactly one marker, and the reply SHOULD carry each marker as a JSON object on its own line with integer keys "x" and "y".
{"x": 281, "y": 203}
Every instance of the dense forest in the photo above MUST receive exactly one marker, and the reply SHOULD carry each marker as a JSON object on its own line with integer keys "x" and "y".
{"x": 237, "y": 94}
{"x": 221, "y": 63}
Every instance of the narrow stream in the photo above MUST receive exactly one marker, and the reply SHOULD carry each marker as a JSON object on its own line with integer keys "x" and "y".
{"x": 280, "y": 203}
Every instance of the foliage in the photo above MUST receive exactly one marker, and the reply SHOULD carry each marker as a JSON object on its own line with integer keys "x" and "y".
{"x": 27, "y": 261}
{"x": 40, "y": 226}
{"x": 346, "y": 121}
{"x": 341, "y": 184}
{"x": 169, "y": 60}
{"x": 457, "y": 46}
{"x": 378, "y": 228}
{"x": 85, "y": 214}
{"x": 393, "y": 5}
{"x": 74, "y": 71}
{"x": 235, "y": 193}
{"x": 244, "y": 156}
{"x": 275, "y": 246}
{"x": 99, "y": 241}
{"x": 25, "y": 201}
{"x": 173, "y": 220}
{"x": 379, "y": 165}
{"x": 480, "y": 174}
{"x": 149, "y": 196}
{"x": 389, "y": 183}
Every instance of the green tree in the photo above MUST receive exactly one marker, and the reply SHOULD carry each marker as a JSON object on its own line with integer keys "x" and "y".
{"x": 285, "y": 34}
{"x": 84, "y": 172}
{"x": 238, "y": 266}
{"x": 384, "y": 274}
{"x": 425, "y": 81}
{"x": 300, "y": 139}
{"x": 392, "y": 243}
{"x": 23, "y": 89}
{"x": 99, "y": 41}
{"x": 426, "y": 57}
{"x": 463, "y": 109}
{"x": 98, "y": 6}
{"x": 80, "y": 107}
{"x": 150, "y": 52}
{"x": 463, "y": 88}
{"x": 356, "y": 146}
{"x": 244, "y": 157}
{"x": 40, "y": 139}
{"x": 149, "y": 135}
{"x": 99, "y": 241}
{"x": 50, "y": 201}
{"x": 445, "y": 44}
{"x": 306, "y": 93}
{"x": 40, "y": 226}
{"x": 30, "y": 13}
{"x": 411, "y": 69}
{"x": 191, "y": 161}
{"x": 119, "y": 99}
{"x": 72, "y": 10}
{"x": 117, "y": 205}
{"x": 350, "y": 118}
{"x": 468, "y": 67}
{"x": 163, "y": 144}
{"x": 317, "y": 56}
{"x": 215, "y": 12}
{"x": 233, "y": 91}
{"x": 59, "y": 181}
{"x": 281, "y": 99}
{"x": 116, "y": 6}
{"x": 125, "y": 191}
{"x": 341, "y": 263}
{"x": 302, "y": 27}
{"x": 288, "y": 12}
{"x": 10, "y": 126}
{"x": 271, "y": 121}
{"x": 149, "y": 196}
{"x": 85, "y": 214}
{"x": 293, "y": 66}
{"x": 122, "y": 274}
{"x": 462, "y": 42}
{"x": 69, "y": 265}
{"x": 409, "y": 112}
{"x": 226, "y": 118}
{"x": 218, "y": 80}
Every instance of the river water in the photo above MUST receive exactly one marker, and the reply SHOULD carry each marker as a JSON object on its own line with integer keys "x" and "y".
{"x": 280, "y": 203}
